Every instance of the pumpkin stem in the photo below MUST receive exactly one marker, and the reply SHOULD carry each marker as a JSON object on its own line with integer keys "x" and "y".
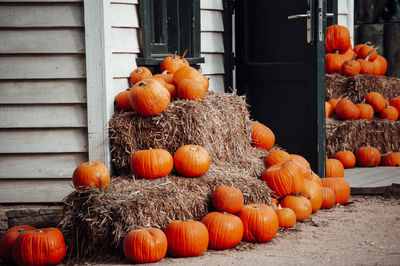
{"x": 165, "y": 72}
{"x": 192, "y": 149}
{"x": 256, "y": 207}
{"x": 39, "y": 231}
{"x": 143, "y": 83}
{"x": 20, "y": 231}
{"x": 139, "y": 70}
{"x": 370, "y": 52}
{"x": 90, "y": 163}
{"x": 224, "y": 213}
{"x": 184, "y": 53}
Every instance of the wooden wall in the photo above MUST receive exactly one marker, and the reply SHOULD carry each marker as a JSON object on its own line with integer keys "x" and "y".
{"x": 346, "y": 16}
{"x": 43, "y": 116}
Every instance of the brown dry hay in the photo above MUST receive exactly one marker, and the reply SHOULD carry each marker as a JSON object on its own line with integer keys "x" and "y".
{"x": 355, "y": 88}
{"x": 352, "y": 134}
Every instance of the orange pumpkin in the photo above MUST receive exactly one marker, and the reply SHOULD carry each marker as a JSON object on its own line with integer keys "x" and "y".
{"x": 328, "y": 109}
{"x": 191, "y": 73}
{"x": 191, "y": 90}
{"x": 304, "y": 164}
{"x": 395, "y": 102}
{"x": 367, "y": 67}
{"x": 276, "y": 156}
{"x": 227, "y": 199}
{"x": 145, "y": 245}
{"x": 367, "y": 52}
{"x": 174, "y": 63}
{"x": 333, "y": 103}
{"x": 334, "y": 168}
{"x": 337, "y": 38}
{"x": 377, "y": 67}
{"x": 314, "y": 177}
{"x": 286, "y": 217}
{"x": 376, "y": 100}
{"x": 351, "y": 68}
{"x": 8, "y": 239}
{"x": 334, "y": 62}
{"x": 151, "y": 164}
{"x": 328, "y": 198}
{"x": 261, "y": 136}
{"x": 300, "y": 205}
{"x": 390, "y": 113}
{"x": 122, "y": 100}
{"x": 347, "y": 158}
{"x": 383, "y": 64}
{"x": 139, "y": 74}
{"x": 340, "y": 188}
{"x": 166, "y": 76}
{"x": 366, "y": 111}
{"x": 368, "y": 157}
{"x": 391, "y": 159}
{"x": 312, "y": 191}
{"x": 347, "y": 110}
{"x": 91, "y": 174}
{"x": 191, "y": 160}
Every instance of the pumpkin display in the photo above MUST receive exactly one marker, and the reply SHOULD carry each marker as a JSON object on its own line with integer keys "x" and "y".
{"x": 367, "y": 67}
{"x": 261, "y": 136}
{"x": 347, "y": 158}
{"x": 171, "y": 88}
{"x": 286, "y": 217}
{"x": 299, "y": 204}
{"x": 303, "y": 163}
{"x": 191, "y": 90}
{"x": 186, "y": 238}
{"x": 334, "y": 168}
{"x": 314, "y": 177}
{"x": 390, "y": 113}
{"x": 395, "y": 102}
{"x": 90, "y": 175}
{"x": 174, "y": 63}
{"x": 191, "y": 160}
{"x": 376, "y": 100}
{"x": 351, "y": 67}
{"x": 347, "y": 110}
{"x": 312, "y": 191}
{"x": 368, "y": 157}
{"x": 227, "y": 199}
{"x": 337, "y": 38}
{"x": 145, "y": 245}
{"x": 39, "y": 247}
{"x": 8, "y": 239}
{"x": 284, "y": 178}
{"x": 328, "y": 198}
{"x": 122, "y": 100}
{"x": 225, "y": 230}
{"x": 383, "y": 65}
{"x": 148, "y": 97}
{"x": 260, "y": 222}
{"x": 339, "y": 186}
{"x": 328, "y": 109}
{"x": 366, "y": 111}
{"x": 276, "y": 156}
{"x": 334, "y": 62}
{"x": 377, "y": 67}
{"x": 140, "y": 73}
{"x": 191, "y": 73}
{"x": 166, "y": 76}
{"x": 367, "y": 52}
{"x": 391, "y": 159}
{"x": 333, "y": 103}
{"x": 151, "y": 164}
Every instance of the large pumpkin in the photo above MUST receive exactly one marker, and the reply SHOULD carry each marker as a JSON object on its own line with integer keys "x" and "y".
{"x": 347, "y": 110}
{"x": 191, "y": 90}
{"x": 328, "y": 198}
{"x": 191, "y": 73}
{"x": 337, "y": 38}
{"x": 145, "y": 245}
{"x": 225, "y": 230}
{"x": 391, "y": 159}
{"x": 312, "y": 191}
{"x": 260, "y": 222}
{"x": 276, "y": 156}
{"x": 334, "y": 62}
{"x": 191, "y": 160}
{"x": 286, "y": 217}
{"x": 314, "y": 177}
{"x": 366, "y": 111}
{"x": 186, "y": 238}
{"x": 261, "y": 136}
{"x": 91, "y": 174}
{"x": 39, "y": 247}
{"x": 139, "y": 74}
{"x": 347, "y": 158}
{"x": 368, "y": 157}
{"x": 8, "y": 239}
{"x": 227, "y": 199}
{"x": 303, "y": 163}
{"x": 150, "y": 164}
{"x": 300, "y": 205}
{"x": 376, "y": 100}
{"x": 174, "y": 63}
{"x": 334, "y": 168}
{"x": 339, "y": 186}
{"x": 390, "y": 113}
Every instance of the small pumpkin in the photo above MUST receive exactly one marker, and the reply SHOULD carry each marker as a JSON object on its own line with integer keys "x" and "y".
{"x": 276, "y": 156}
{"x": 139, "y": 74}
{"x": 8, "y": 239}
{"x": 367, "y": 67}
{"x": 391, "y": 159}
{"x": 390, "y": 113}
{"x": 312, "y": 191}
{"x": 377, "y": 67}
{"x": 347, "y": 158}
{"x": 333, "y": 103}
{"x": 227, "y": 199}
{"x": 261, "y": 136}
{"x": 395, "y": 102}
{"x": 166, "y": 76}
{"x": 191, "y": 73}
{"x": 122, "y": 100}
{"x": 151, "y": 164}
{"x": 334, "y": 168}
{"x": 337, "y": 38}
{"x": 339, "y": 186}
{"x": 351, "y": 67}
{"x": 91, "y": 174}
{"x": 186, "y": 238}
{"x": 191, "y": 160}
{"x": 286, "y": 217}
{"x": 191, "y": 90}
{"x": 367, "y": 52}
{"x": 314, "y": 177}
{"x": 366, "y": 111}
{"x": 225, "y": 230}
{"x": 260, "y": 222}
{"x": 300, "y": 205}
{"x": 368, "y": 157}
{"x": 328, "y": 198}
{"x": 347, "y": 110}
{"x": 145, "y": 245}
{"x": 328, "y": 109}
{"x": 383, "y": 64}
{"x": 174, "y": 63}
{"x": 376, "y": 100}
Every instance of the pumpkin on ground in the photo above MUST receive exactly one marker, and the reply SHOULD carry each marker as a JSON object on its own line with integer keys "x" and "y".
{"x": 390, "y": 113}
{"x": 286, "y": 217}
{"x": 191, "y": 160}
{"x": 139, "y": 74}
{"x": 368, "y": 157}
{"x": 347, "y": 110}
{"x": 300, "y": 205}
{"x": 314, "y": 177}
{"x": 8, "y": 239}
{"x": 328, "y": 198}
{"x": 312, "y": 191}
{"x": 334, "y": 168}
{"x": 227, "y": 199}
{"x": 261, "y": 136}
{"x": 276, "y": 156}
{"x": 339, "y": 186}
{"x": 174, "y": 63}
{"x": 122, "y": 100}
{"x": 376, "y": 100}
{"x": 225, "y": 230}
{"x": 91, "y": 175}
{"x": 337, "y": 38}
{"x": 260, "y": 222}
{"x": 145, "y": 245}
{"x": 153, "y": 163}
{"x": 347, "y": 158}
{"x": 391, "y": 159}
{"x": 366, "y": 111}
{"x": 191, "y": 90}
{"x": 186, "y": 238}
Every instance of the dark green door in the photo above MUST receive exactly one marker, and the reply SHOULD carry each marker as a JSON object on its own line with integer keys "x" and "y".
{"x": 281, "y": 71}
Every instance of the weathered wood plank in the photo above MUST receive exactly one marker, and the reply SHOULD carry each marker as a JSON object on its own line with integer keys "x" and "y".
{"x": 211, "y": 21}
{"x": 124, "y": 16}
{"x": 23, "y": 41}
{"x": 42, "y": 67}
{"x": 214, "y": 64}
{"x": 120, "y": 84}
{"x": 43, "y": 91}
{"x": 37, "y": 15}
{"x": 30, "y": 191}
{"x": 212, "y": 42}
{"x": 216, "y": 83}
{"x": 40, "y": 165}
{"x": 43, "y": 140}
{"x": 123, "y": 65}
{"x": 125, "y": 40}
{"x": 372, "y": 176}
{"x": 36, "y": 116}
{"x": 211, "y": 4}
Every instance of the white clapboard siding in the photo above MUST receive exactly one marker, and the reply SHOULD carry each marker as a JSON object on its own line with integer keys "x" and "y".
{"x": 42, "y": 67}
{"x": 212, "y": 42}
{"x": 124, "y": 2}
{"x": 211, "y": 4}
{"x": 28, "y": 191}
{"x": 42, "y": 15}
{"x": 125, "y": 40}
{"x": 346, "y": 16}
{"x": 216, "y": 83}
{"x": 214, "y": 64}
{"x": 39, "y": 1}
{"x": 30, "y": 41}
{"x": 123, "y": 64}
{"x": 121, "y": 84}
{"x": 36, "y": 116}
{"x": 213, "y": 21}
{"x": 124, "y": 15}
{"x": 43, "y": 140}
{"x": 40, "y": 165}
{"x": 43, "y": 91}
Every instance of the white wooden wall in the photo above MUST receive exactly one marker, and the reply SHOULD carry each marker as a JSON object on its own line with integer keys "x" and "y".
{"x": 346, "y": 16}
{"x": 43, "y": 116}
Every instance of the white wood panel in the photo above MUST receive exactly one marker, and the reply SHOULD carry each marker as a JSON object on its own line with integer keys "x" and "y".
{"x": 40, "y": 165}
{"x": 43, "y": 140}
{"x": 343, "y": 7}
{"x": 124, "y": 16}
{"x": 30, "y": 41}
{"x": 123, "y": 65}
{"x": 212, "y": 42}
{"x": 214, "y": 64}
{"x": 27, "y": 191}
{"x": 39, "y": 1}
{"x": 125, "y": 40}
{"x": 37, "y": 15}
{"x": 43, "y": 91}
{"x": 211, "y": 4}
{"x": 216, "y": 83}
{"x": 42, "y": 67}
{"x": 124, "y": 2}
{"x": 120, "y": 84}
{"x": 211, "y": 21}
{"x": 34, "y": 116}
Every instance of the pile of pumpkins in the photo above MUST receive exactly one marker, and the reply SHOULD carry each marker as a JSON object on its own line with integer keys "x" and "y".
{"x": 341, "y": 58}
{"x": 365, "y": 157}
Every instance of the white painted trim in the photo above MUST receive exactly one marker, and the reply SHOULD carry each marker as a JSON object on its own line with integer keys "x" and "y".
{"x": 98, "y": 77}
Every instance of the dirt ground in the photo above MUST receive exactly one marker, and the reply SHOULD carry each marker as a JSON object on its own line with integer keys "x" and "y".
{"x": 364, "y": 232}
